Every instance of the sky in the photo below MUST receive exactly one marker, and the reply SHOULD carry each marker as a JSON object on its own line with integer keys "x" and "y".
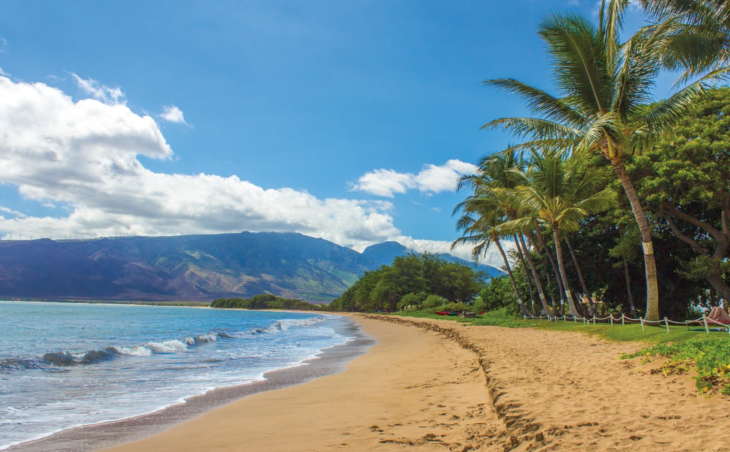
{"x": 346, "y": 120}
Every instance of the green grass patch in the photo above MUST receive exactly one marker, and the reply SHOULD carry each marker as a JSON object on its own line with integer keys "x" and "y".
{"x": 709, "y": 356}
{"x": 491, "y": 318}
{"x": 634, "y": 333}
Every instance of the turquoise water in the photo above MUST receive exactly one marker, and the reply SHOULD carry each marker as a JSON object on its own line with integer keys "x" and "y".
{"x": 64, "y": 365}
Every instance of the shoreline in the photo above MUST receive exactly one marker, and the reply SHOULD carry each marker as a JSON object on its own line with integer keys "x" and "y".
{"x": 413, "y": 388}
{"x": 92, "y": 437}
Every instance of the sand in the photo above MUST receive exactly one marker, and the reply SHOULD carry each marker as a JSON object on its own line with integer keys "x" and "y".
{"x": 412, "y": 389}
{"x": 439, "y": 385}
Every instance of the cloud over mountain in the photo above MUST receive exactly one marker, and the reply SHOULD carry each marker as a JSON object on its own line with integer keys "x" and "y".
{"x": 82, "y": 159}
{"x": 84, "y": 155}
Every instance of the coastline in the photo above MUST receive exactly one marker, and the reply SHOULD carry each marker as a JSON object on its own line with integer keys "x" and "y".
{"x": 91, "y": 437}
{"x": 441, "y": 385}
{"x": 413, "y": 388}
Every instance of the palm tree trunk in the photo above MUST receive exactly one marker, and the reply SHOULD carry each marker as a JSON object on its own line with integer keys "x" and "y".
{"x": 561, "y": 289}
{"x": 628, "y": 287}
{"x": 563, "y": 274}
{"x": 511, "y": 277}
{"x": 528, "y": 277}
{"x": 543, "y": 300}
{"x": 580, "y": 277}
{"x": 652, "y": 282}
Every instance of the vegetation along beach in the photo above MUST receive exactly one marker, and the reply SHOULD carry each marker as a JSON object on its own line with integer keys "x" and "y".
{"x": 366, "y": 226}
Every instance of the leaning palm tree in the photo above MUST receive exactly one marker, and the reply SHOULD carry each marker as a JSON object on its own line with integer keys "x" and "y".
{"x": 605, "y": 87}
{"x": 558, "y": 193}
{"x": 479, "y": 223}
{"x": 494, "y": 181}
{"x": 696, "y": 36}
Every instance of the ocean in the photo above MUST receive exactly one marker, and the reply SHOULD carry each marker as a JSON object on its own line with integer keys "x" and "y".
{"x": 64, "y": 365}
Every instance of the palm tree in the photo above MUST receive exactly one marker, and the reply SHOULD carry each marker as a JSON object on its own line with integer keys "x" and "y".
{"x": 479, "y": 222}
{"x": 696, "y": 36}
{"x": 559, "y": 192}
{"x": 605, "y": 87}
{"x": 496, "y": 172}
{"x": 580, "y": 276}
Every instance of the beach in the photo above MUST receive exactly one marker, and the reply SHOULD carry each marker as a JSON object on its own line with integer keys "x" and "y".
{"x": 439, "y": 385}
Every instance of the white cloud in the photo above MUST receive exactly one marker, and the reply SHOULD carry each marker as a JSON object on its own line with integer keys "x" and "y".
{"x": 383, "y": 182}
{"x": 84, "y": 156}
{"x": 11, "y": 212}
{"x": 431, "y": 179}
{"x": 491, "y": 257}
{"x": 173, "y": 114}
{"x": 98, "y": 91}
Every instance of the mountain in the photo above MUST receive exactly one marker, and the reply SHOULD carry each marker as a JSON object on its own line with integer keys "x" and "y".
{"x": 194, "y": 267}
{"x": 384, "y": 253}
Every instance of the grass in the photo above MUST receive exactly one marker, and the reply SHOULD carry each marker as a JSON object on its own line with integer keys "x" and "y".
{"x": 685, "y": 348}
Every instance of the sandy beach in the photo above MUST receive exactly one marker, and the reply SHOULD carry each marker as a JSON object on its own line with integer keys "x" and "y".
{"x": 439, "y": 385}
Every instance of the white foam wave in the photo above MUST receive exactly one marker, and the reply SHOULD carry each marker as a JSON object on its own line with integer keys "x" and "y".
{"x": 138, "y": 350}
{"x": 167, "y": 346}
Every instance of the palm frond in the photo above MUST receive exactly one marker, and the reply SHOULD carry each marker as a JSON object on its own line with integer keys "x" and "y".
{"x": 536, "y": 129}
{"x": 540, "y": 102}
{"x": 579, "y": 62}
{"x": 668, "y": 112}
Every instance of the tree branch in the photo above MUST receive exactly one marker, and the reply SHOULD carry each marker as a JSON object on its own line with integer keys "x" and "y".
{"x": 695, "y": 246}
{"x": 726, "y": 217}
{"x": 669, "y": 209}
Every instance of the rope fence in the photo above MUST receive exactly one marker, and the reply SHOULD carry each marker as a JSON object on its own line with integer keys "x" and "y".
{"x": 704, "y": 320}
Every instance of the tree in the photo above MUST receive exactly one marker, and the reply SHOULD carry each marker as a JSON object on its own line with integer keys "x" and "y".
{"x": 480, "y": 223}
{"x": 685, "y": 181}
{"x": 604, "y": 86}
{"x": 421, "y": 274}
{"x": 492, "y": 187}
{"x": 696, "y": 36}
{"x": 559, "y": 192}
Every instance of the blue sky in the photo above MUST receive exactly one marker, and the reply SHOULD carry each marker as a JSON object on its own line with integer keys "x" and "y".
{"x": 300, "y": 98}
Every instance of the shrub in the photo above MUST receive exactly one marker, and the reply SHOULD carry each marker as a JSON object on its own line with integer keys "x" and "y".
{"x": 411, "y": 300}
{"x": 434, "y": 301}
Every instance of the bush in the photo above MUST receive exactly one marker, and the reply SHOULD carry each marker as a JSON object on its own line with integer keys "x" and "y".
{"x": 498, "y": 294}
{"x": 434, "y": 301}
{"x": 411, "y": 301}
{"x": 458, "y": 307}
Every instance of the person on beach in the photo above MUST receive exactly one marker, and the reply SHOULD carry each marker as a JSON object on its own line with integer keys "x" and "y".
{"x": 719, "y": 315}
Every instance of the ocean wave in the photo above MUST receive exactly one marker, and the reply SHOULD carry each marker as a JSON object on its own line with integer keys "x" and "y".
{"x": 283, "y": 325}
{"x": 60, "y": 360}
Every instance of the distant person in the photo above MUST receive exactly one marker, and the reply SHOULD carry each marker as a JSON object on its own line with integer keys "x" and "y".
{"x": 719, "y": 315}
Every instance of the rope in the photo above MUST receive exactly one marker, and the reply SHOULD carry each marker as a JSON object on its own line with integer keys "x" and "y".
{"x": 702, "y": 320}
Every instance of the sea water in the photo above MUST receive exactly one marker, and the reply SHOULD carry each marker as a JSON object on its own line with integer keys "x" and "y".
{"x": 63, "y": 365}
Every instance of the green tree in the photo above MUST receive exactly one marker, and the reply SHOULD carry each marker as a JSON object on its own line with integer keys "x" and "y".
{"x": 605, "y": 86}
{"x": 422, "y": 274}
{"x": 559, "y": 192}
{"x": 493, "y": 184}
{"x": 685, "y": 181}
{"x": 696, "y": 36}
{"x": 480, "y": 221}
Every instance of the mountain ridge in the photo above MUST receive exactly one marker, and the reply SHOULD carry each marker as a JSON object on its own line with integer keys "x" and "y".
{"x": 181, "y": 268}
